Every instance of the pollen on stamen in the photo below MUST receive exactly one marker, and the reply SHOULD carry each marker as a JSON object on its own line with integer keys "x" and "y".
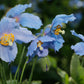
{"x": 58, "y": 30}
{"x": 17, "y": 19}
{"x": 39, "y": 43}
{"x": 7, "y": 39}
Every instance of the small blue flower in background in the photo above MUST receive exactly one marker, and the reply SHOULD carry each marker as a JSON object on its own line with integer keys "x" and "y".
{"x": 25, "y": 19}
{"x": 78, "y": 19}
{"x": 55, "y": 29}
{"x": 10, "y": 31}
{"x": 2, "y": 7}
{"x": 76, "y": 3}
{"x": 39, "y": 46}
{"x": 79, "y": 47}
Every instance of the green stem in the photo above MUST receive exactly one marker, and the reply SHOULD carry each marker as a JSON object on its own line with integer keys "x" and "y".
{"x": 19, "y": 63}
{"x": 3, "y": 74}
{"x": 23, "y": 69}
{"x": 33, "y": 66}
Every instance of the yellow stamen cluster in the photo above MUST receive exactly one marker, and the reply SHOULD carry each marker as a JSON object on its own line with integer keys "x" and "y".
{"x": 39, "y": 43}
{"x": 58, "y": 30}
{"x": 7, "y": 39}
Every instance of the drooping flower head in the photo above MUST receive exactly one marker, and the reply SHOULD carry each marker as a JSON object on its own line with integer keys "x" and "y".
{"x": 25, "y": 19}
{"x": 55, "y": 30}
{"x": 39, "y": 46}
{"x": 10, "y": 31}
{"x": 79, "y": 47}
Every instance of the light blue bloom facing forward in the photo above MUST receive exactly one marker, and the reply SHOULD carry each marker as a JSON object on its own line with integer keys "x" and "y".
{"x": 25, "y": 19}
{"x": 10, "y": 31}
{"x": 39, "y": 46}
{"x": 79, "y": 47}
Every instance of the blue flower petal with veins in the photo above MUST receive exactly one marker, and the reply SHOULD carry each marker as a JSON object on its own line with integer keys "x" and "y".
{"x": 9, "y": 28}
{"x": 78, "y": 48}
{"x": 62, "y": 18}
{"x": 25, "y": 19}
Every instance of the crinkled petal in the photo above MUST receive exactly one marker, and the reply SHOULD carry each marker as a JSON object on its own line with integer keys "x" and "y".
{"x": 32, "y": 48}
{"x": 42, "y": 53}
{"x": 78, "y": 35}
{"x": 7, "y": 25}
{"x": 78, "y": 48}
{"x": 62, "y": 18}
{"x": 30, "y": 20}
{"x": 58, "y": 43}
{"x": 8, "y": 53}
{"x": 23, "y": 35}
{"x": 46, "y": 39}
{"x": 17, "y": 10}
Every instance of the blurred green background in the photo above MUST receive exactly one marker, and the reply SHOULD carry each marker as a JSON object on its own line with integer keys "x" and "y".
{"x": 47, "y": 10}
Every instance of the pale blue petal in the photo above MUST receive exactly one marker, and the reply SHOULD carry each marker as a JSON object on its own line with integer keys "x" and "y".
{"x": 23, "y": 35}
{"x": 78, "y": 35}
{"x": 46, "y": 39}
{"x": 78, "y": 48}
{"x": 30, "y": 20}
{"x": 42, "y": 53}
{"x": 7, "y": 25}
{"x": 32, "y": 48}
{"x": 17, "y": 10}
{"x": 58, "y": 43}
{"x": 62, "y": 18}
{"x": 8, "y": 53}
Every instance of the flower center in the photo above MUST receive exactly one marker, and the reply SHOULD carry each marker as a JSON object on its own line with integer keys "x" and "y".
{"x": 39, "y": 43}
{"x": 7, "y": 39}
{"x": 58, "y": 30}
{"x": 16, "y": 18}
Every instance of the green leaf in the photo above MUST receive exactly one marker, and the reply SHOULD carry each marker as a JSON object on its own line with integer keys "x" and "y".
{"x": 72, "y": 81}
{"x": 63, "y": 75}
{"x": 44, "y": 63}
{"x": 36, "y": 82}
{"x": 76, "y": 70}
{"x": 33, "y": 82}
{"x": 53, "y": 62}
{"x": 11, "y": 82}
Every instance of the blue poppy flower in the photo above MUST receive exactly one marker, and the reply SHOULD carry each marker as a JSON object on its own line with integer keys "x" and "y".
{"x": 2, "y": 7}
{"x": 59, "y": 21}
{"x": 10, "y": 31}
{"x": 79, "y": 47}
{"x": 39, "y": 46}
{"x": 25, "y": 19}
{"x": 54, "y": 30}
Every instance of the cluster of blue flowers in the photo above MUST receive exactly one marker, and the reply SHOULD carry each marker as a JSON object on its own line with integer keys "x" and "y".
{"x": 12, "y": 31}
